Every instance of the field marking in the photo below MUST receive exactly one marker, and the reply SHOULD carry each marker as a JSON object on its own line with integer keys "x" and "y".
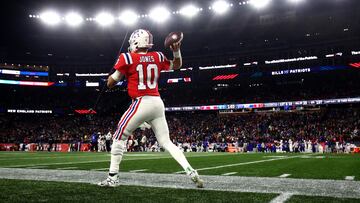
{"x": 66, "y": 168}
{"x": 139, "y": 170}
{"x": 65, "y": 156}
{"x": 163, "y": 156}
{"x": 274, "y": 185}
{"x": 229, "y": 174}
{"x": 36, "y": 167}
{"x": 103, "y": 154}
{"x": 312, "y": 156}
{"x": 72, "y": 157}
{"x": 100, "y": 169}
{"x": 140, "y": 155}
{"x": 240, "y": 164}
{"x": 283, "y": 197}
{"x": 284, "y": 175}
{"x": 274, "y": 156}
{"x": 349, "y": 177}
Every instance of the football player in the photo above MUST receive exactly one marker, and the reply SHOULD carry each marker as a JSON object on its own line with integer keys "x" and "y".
{"x": 142, "y": 69}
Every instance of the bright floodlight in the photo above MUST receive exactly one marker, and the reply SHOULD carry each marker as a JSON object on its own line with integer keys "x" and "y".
{"x": 259, "y": 3}
{"x": 50, "y": 17}
{"x": 220, "y": 7}
{"x": 159, "y": 14}
{"x": 74, "y": 19}
{"x": 128, "y": 17}
{"x": 189, "y": 11}
{"x": 105, "y": 19}
{"x": 295, "y": 1}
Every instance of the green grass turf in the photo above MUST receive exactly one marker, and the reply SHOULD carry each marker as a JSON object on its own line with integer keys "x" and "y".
{"x": 42, "y": 191}
{"x": 303, "y": 199}
{"x": 328, "y": 166}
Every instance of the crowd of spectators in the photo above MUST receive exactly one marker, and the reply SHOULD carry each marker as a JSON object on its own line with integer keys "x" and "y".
{"x": 196, "y": 129}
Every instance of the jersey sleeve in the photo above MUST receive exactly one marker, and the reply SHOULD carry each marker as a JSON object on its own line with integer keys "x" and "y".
{"x": 123, "y": 63}
{"x": 164, "y": 63}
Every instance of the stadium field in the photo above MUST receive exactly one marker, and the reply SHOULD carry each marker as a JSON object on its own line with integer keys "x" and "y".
{"x": 229, "y": 177}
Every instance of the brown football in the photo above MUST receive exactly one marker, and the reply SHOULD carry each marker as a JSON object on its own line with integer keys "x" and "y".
{"x": 172, "y": 38}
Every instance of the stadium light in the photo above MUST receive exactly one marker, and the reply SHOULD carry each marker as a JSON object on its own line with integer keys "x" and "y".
{"x": 105, "y": 19}
{"x": 159, "y": 14}
{"x": 259, "y": 4}
{"x": 50, "y": 17}
{"x": 73, "y": 19}
{"x": 295, "y": 1}
{"x": 128, "y": 17}
{"x": 189, "y": 11}
{"x": 220, "y": 7}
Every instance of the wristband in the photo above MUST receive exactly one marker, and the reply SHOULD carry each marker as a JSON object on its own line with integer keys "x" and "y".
{"x": 177, "y": 54}
{"x": 116, "y": 76}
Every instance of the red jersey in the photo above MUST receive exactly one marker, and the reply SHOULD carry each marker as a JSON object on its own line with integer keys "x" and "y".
{"x": 142, "y": 72}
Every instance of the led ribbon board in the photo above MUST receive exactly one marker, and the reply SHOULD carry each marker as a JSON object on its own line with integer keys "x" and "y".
{"x": 265, "y": 105}
{"x": 26, "y": 73}
{"x": 26, "y": 83}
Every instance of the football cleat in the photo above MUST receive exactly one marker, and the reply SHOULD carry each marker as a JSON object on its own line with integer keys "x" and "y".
{"x": 196, "y": 179}
{"x": 111, "y": 181}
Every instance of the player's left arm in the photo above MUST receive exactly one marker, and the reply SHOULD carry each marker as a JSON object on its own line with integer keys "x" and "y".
{"x": 121, "y": 66}
{"x": 176, "y": 63}
{"x": 114, "y": 78}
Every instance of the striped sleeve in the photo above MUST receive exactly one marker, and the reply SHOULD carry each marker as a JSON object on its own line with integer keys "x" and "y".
{"x": 123, "y": 63}
{"x": 164, "y": 63}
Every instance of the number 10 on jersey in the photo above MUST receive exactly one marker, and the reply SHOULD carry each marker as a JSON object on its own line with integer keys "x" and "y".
{"x": 151, "y": 82}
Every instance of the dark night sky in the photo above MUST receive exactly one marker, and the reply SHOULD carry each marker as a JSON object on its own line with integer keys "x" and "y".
{"x": 21, "y": 34}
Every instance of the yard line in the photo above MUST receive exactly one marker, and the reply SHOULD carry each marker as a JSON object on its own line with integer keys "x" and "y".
{"x": 283, "y": 197}
{"x": 228, "y": 174}
{"x": 240, "y": 164}
{"x": 284, "y": 175}
{"x": 349, "y": 177}
{"x": 139, "y": 170}
{"x": 66, "y": 168}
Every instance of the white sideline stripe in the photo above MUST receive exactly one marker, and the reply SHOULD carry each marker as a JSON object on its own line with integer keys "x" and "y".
{"x": 273, "y": 185}
{"x": 349, "y": 177}
{"x": 100, "y": 169}
{"x": 139, "y": 170}
{"x": 66, "y": 168}
{"x": 283, "y": 197}
{"x": 284, "y": 175}
{"x": 228, "y": 174}
{"x": 168, "y": 156}
{"x": 36, "y": 167}
{"x": 240, "y": 164}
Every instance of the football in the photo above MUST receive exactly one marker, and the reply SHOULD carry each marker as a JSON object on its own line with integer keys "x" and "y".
{"x": 172, "y": 38}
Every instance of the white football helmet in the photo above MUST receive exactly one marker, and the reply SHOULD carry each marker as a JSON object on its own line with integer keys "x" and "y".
{"x": 140, "y": 39}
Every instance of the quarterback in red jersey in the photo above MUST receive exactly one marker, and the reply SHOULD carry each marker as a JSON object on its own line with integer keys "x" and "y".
{"x": 142, "y": 69}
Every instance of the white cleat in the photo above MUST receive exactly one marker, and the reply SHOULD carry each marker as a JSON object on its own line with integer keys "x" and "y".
{"x": 196, "y": 179}
{"x": 110, "y": 182}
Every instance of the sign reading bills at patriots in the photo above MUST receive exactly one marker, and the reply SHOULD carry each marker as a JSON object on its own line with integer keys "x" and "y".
{"x": 264, "y": 105}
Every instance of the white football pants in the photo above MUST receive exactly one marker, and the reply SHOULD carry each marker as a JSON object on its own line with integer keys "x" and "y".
{"x": 148, "y": 109}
